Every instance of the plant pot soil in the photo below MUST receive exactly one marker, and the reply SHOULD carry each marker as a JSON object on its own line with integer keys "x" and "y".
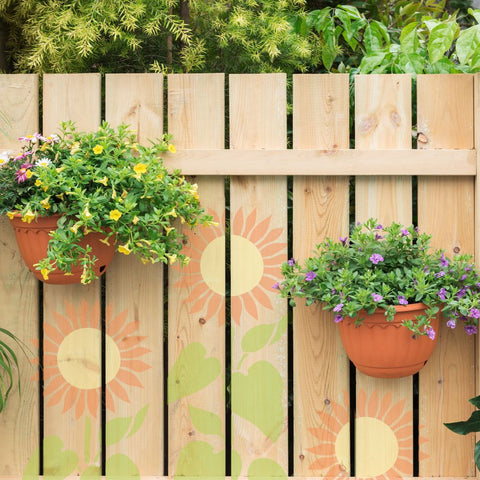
{"x": 387, "y": 349}
{"x": 32, "y": 239}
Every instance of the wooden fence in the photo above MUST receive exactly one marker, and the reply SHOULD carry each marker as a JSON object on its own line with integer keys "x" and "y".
{"x": 197, "y": 371}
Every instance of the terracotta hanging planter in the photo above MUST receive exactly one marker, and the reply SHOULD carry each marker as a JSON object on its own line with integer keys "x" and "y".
{"x": 32, "y": 239}
{"x": 387, "y": 349}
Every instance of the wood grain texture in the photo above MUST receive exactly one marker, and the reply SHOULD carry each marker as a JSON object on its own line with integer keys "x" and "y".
{"x": 76, "y": 307}
{"x": 196, "y": 309}
{"x": 330, "y": 162}
{"x": 446, "y": 210}
{"x": 134, "y": 292}
{"x": 258, "y": 208}
{"x": 320, "y": 210}
{"x": 19, "y": 423}
{"x": 383, "y": 120}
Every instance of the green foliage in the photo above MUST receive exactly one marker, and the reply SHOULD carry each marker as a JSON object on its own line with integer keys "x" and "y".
{"x": 8, "y": 367}
{"x": 469, "y": 426}
{"x": 91, "y": 35}
{"x": 413, "y": 37}
{"x": 380, "y": 267}
{"x": 104, "y": 182}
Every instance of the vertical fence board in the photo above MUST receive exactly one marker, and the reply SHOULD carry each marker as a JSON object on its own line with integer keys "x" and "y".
{"x": 19, "y": 423}
{"x": 134, "y": 299}
{"x": 445, "y": 209}
{"x": 72, "y": 317}
{"x": 196, "y": 304}
{"x": 384, "y": 409}
{"x": 259, "y": 316}
{"x": 320, "y": 210}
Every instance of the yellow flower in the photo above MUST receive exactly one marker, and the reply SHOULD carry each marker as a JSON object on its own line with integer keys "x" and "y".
{"x": 38, "y": 182}
{"x": 135, "y": 220}
{"x": 28, "y": 174}
{"x": 74, "y": 228}
{"x": 140, "y": 168}
{"x": 171, "y": 148}
{"x": 186, "y": 261}
{"x": 104, "y": 181}
{"x": 74, "y": 148}
{"x": 168, "y": 229}
{"x": 172, "y": 213}
{"x": 105, "y": 241}
{"x": 97, "y": 149}
{"x": 28, "y": 216}
{"x": 124, "y": 249}
{"x": 159, "y": 177}
{"x": 10, "y": 215}
{"x": 60, "y": 196}
{"x": 83, "y": 277}
{"x": 44, "y": 272}
{"x": 115, "y": 215}
{"x": 87, "y": 213}
{"x": 171, "y": 257}
{"x": 60, "y": 169}
{"x": 45, "y": 203}
{"x": 124, "y": 193}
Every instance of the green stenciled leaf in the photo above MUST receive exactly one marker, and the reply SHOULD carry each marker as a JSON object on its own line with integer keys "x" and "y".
{"x": 205, "y": 421}
{"x": 121, "y": 467}
{"x": 91, "y": 472}
{"x": 236, "y": 465}
{"x": 116, "y": 429}
{"x": 258, "y": 397}
{"x": 265, "y": 468}
{"x": 32, "y": 468}
{"x": 281, "y": 329}
{"x": 138, "y": 420}
{"x": 191, "y": 372}
{"x": 257, "y": 337}
{"x": 441, "y": 39}
{"x": 468, "y": 43}
{"x": 198, "y": 459}
{"x": 57, "y": 461}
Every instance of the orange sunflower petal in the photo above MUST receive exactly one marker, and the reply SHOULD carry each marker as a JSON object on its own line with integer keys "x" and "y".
{"x": 54, "y": 399}
{"x": 373, "y": 405}
{"x": 129, "y": 342}
{"x": 109, "y": 402}
{"x": 80, "y": 406}
{"x": 63, "y": 324}
{"x": 93, "y": 401}
{"x": 250, "y": 222}
{"x": 54, "y": 385}
{"x": 136, "y": 365}
{"x": 71, "y": 313}
{"x": 271, "y": 250}
{"x": 135, "y": 352}
{"x": 394, "y": 412}
{"x": 323, "y": 449}
{"x": 115, "y": 323}
{"x": 53, "y": 333}
{"x": 213, "y": 305}
{"x": 271, "y": 237}
{"x": 262, "y": 298}
{"x": 260, "y": 230}
{"x": 197, "y": 292}
{"x": 128, "y": 378}
{"x": 236, "y": 309}
{"x": 250, "y": 305}
{"x": 70, "y": 398}
{"x": 238, "y": 222}
{"x": 130, "y": 328}
{"x": 118, "y": 390}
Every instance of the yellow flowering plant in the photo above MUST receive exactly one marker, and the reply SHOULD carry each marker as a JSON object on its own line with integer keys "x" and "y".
{"x": 102, "y": 181}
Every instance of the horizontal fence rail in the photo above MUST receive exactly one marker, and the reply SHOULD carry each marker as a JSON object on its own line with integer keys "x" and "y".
{"x": 203, "y": 371}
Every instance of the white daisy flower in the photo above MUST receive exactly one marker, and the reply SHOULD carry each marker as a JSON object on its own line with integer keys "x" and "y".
{"x": 43, "y": 162}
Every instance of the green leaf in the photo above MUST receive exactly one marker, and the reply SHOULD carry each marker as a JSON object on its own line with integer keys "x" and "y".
{"x": 411, "y": 63}
{"x": 350, "y": 10}
{"x": 475, "y": 14}
{"x": 370, "y": 62}
{"x": 408, "y": 38}
{"x": 475, "y": 401}
{"x": 477, "y": 454}
{"x": 138, "y": 420}
{"x": 468, "y": 426}
{"x": 468, "y": 44}
{"x": 116, "y": 429}
{"x": 121, "y": 466}
{"x": 257, "y": 337}
{"x": 206, "y": 422}
{"x": 441, "y": 39}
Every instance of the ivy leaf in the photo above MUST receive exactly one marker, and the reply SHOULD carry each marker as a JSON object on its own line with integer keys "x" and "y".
{"x": 468, "y": 426}
{"x": 477, "y": 454}
{"x": 475, "y": 401}
{"x": 205, "y": 422}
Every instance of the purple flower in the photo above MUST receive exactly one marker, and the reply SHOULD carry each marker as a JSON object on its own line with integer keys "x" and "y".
{"x": 23, "y": 173}
{"x": 276, "y": 286}
{"x": 291, "y": 262}
{"x": 471, "y": 329}
{"x": 310, "y": 276}
{"x": 441, "y": 273}
{"x": 461, "y": 293}
{"x": 338, "y": 308}
{"x": 379, "y": 227}
{"x": 431, "y": 333}
{"x": 442, "y": 294}
{"x": 475, "y": 313}
{"x": 463, "y": 277}
{"x": 451, "y": 323}
{"x": 378, "y": 236}
{"x": 404, "y": 232}
{"x": 402, "y": 300}
{"x": 344, "y": 240}
{"x": 338, "y": 318}
{"x": 376, "y": 297}
{"x": 375, "y": 258}
{"x": 443, "y": 260}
